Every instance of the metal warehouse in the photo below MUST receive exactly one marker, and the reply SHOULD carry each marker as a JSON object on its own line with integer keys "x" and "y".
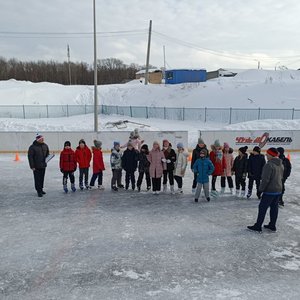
{"x": 185, "y": 75}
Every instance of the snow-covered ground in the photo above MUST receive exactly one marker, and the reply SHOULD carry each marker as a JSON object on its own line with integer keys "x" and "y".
{"x": 128, "y": 245}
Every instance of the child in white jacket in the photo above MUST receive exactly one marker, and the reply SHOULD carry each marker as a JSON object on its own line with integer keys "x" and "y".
{"x": 180, "y": 166}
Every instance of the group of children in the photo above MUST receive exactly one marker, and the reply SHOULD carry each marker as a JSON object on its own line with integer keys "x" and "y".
{"x": 167, "y": 165}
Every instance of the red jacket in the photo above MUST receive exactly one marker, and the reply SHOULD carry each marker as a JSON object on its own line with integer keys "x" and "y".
{"x": 67, "y": 160}
{"x": 83, "y": 157}
{"x": 98, "y": 163}
{"x": 218, "y": 162}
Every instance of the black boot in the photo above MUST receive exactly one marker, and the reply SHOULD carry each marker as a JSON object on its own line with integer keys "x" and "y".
{"x": 272, "y": 228}
{"x": 254, "y": 228}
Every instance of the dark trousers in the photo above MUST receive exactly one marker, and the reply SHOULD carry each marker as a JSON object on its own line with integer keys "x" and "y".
{"x": 229, "y": 180}
{"x": 129, "y": 177}
{"x": 266, "y": 202}
{"x": 140, "y": 179}
{"x": 240, "y": 182}
{"x": 169, "y": 174}
{"x": 84, "y": 172}
{"x": 95, "y": 176}
{"x": 156, "y": 184}
{"x": 194, "y": 181}
{"x": 250, "y": 183}
{"x": 39, "y": 176}
{"x": 213, "y": 182}
{"x": 116, "y": 179}
{"x": 179, "y": 181}
{"x": 68, "y": 175}
{"x": 283, "y": 190}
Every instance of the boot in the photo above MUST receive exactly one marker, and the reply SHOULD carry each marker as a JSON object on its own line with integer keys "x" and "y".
{"x": 65, "y": 188}
{"x": 73, "y": 188}
{"x": 172, "y": 189}
{"x": 243, "y": 193}
{"x": 179, "y": 191}
{"x": 231, "y": 191}
{"x": 164, "y": 188}
{"x": 222, "y": 190}
{"x": 249, "y": 194}
{"x": 237, "y": 193}
{"x": 100, "y": 187}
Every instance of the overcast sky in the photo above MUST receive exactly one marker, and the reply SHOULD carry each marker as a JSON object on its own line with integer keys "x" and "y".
{"x": 196, "y": 33}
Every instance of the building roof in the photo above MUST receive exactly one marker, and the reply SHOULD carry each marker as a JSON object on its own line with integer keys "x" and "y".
{"x": 150, "y": 71}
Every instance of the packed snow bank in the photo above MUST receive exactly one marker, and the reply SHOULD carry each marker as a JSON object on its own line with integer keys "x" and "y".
{"x": 248, "y": 89}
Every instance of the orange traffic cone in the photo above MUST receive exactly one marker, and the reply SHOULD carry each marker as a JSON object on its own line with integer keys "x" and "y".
{"x": 289, "y": 156}
{"x": 17, "y": 157}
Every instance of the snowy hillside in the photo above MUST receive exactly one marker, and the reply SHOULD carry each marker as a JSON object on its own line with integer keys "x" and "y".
{"x": 249, "y": 89}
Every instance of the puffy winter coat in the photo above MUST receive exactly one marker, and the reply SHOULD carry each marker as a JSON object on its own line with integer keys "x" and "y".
{"x": 144, "y": 163}
{"x": 37, "y": 154}
{"x": 240, "y": 165}
{"x": 203, "y": 167}
{"x": 116, "y": 159}
{"x": 170, "y": 155}
{"x": 196, "y": 154}
{"x": 255, "y": 166}
{"x": 67, "y": 160}
{"x": 181, "y": 163}
{"x": 218, "y": 160}
{"x": 130, "y": 160}
{"x": 287, "y": 167}
{"x": 228, "y": 157}
{"x": 156, "y": 165}
{"x": 98, "y": 163}
{"x": 271, "y": 178}
{"x": 83, "y": 157}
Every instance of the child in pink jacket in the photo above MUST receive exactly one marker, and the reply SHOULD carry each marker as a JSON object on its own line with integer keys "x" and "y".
{"x": 228, "y": 156}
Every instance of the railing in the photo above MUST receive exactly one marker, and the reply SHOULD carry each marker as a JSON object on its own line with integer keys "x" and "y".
{"x": 218, "y": 115}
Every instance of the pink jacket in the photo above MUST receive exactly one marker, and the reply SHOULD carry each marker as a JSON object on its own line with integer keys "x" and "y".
{"x": 156, "y": 165}
{"x": 229, "y": 163}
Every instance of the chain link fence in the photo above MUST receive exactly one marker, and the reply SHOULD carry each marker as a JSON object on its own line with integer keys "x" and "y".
{"x": 219, "y": 115}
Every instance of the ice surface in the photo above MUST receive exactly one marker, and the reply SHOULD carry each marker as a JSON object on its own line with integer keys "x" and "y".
{"x": 129, "y": 245}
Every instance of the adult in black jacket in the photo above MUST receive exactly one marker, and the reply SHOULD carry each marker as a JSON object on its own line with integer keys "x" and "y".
{"x": 170, "y": 158}
{"x": 195, "y": 155}
{"x": 129, "y": 164}
{"x": 240, "y": 171}
{"x": 143, "y": 168}
{"x": 256, "y": 163}
{"x": 287, "y": 168}
{"x": 37, "y": 154}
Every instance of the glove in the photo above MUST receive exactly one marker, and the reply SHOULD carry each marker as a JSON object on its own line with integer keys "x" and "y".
{"x": 168, "y": 161}
{"x": 163, "y": 160}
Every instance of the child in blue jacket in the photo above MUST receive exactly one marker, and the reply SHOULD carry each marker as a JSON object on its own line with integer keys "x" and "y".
{"x": 203, "y": 167}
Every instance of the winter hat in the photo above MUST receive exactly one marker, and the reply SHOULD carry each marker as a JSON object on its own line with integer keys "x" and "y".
{"x": 226, "y": 145}
{"x": 38, "y": 137}
{"x": 116, "y": 144}
{"x": 243, "y": 149}
{"x": 129, "y": 144}
{"x": 82, "y": 141}
{"x": 272, "y": 152}
{"x": 217, "y": 143}
{"x": 280, "y": 150}
{"x": 203, "y": 151}
{"x": 200, "y": 140}
{"x": 67, "y": 143}
{"x": 166, "y": 141}
{"x": 256, "y": 149}
{"x": 98, "y": 144}
{"x": 145, "y": 147}
{"x": 180, "y": 145}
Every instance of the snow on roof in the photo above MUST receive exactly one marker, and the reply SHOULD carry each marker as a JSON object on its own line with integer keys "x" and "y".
{"x": 150, "y": 71}
{"x": 203, "y": 69}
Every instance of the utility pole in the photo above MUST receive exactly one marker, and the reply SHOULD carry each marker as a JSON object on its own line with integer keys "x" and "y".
{"x": 69, "y": 64}
{"x": 95, "y": 73}
{"x": 258, "y": 65}
{"x": 148, "y": 54}
{"x": 164, "y": 49}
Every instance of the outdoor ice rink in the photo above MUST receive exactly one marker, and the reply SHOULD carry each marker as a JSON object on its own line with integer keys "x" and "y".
{"x": 129, "y": 245}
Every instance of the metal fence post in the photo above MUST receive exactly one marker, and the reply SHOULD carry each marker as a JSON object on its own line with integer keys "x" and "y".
{"x": 117, "y": 109}
{"x": 24, "y": 112}
{"x": 47, "y": 108}
{"x": 183, "y": 113}
{"x": 165, "y": 114}
{"x": 85, "y": 109}
{"x": 67, "y": 110}
{"x": 147, "y": 113}
{"x": 230, "y": 113}
{"x": 259, "y": 113}
{"x": 130, "y": 111}
{"x": 293, "y": 113}
{"x": 205, "y": 114}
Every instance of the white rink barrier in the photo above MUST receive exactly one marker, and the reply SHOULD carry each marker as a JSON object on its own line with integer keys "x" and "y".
{"x": 288, "y": 139}
{"x": 20, "y": 141}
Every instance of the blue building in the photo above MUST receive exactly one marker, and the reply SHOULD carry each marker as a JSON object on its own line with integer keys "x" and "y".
{"x": 184, "y": 75}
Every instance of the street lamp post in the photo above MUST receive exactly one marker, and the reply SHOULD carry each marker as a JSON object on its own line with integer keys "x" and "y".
{"x": 95, "y": 72}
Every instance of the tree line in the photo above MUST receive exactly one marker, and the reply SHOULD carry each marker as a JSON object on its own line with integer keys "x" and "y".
{"x": 110, "y": 71}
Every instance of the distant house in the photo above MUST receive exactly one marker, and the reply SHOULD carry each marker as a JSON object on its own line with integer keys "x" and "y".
{"x": 185, "y": 75}
{"x": 223, "y": 73}
{"x": 155, "y": 75}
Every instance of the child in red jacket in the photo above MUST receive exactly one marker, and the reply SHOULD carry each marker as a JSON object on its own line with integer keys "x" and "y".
{"x": 67, "y": 164}
{"x": 218, "y": 160}
{"x": 98, "y": 165}
{"x": 83, "y": 157}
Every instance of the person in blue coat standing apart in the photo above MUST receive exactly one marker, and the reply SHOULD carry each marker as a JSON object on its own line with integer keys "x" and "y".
{"x": 203, "y": 167}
